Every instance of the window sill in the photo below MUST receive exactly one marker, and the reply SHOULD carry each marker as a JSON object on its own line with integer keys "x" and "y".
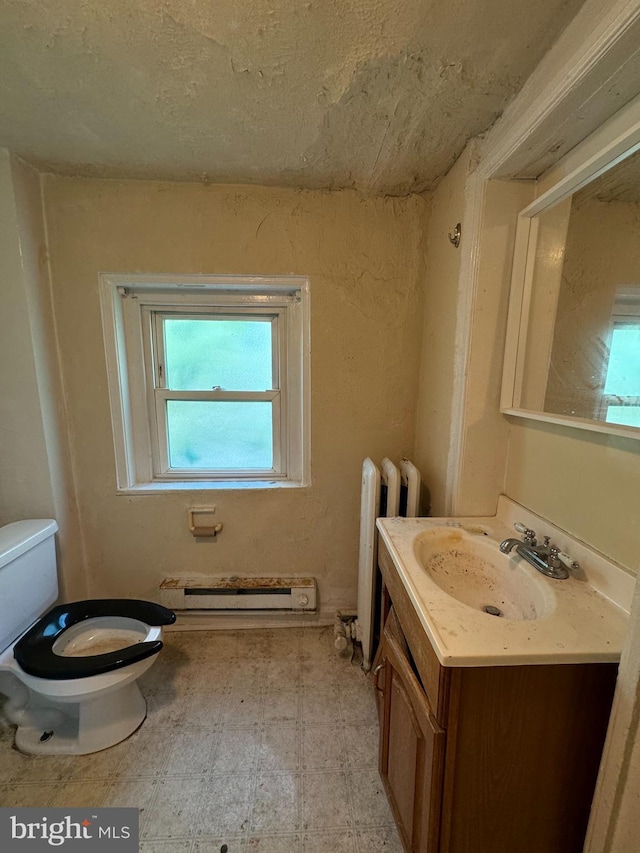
{"x": 181, "y": 486}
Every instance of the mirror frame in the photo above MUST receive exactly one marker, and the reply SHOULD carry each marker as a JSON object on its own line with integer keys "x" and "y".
{"x": 616, "y": 140}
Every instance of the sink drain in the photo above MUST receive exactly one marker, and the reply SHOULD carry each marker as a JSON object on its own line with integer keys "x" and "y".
{"x": 492, "y": 611}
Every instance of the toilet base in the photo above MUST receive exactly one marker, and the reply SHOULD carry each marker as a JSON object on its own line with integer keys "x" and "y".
{"x": 84, "y": 727}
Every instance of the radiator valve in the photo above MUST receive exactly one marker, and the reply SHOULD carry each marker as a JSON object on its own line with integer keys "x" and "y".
{"x": 342, "y": 631}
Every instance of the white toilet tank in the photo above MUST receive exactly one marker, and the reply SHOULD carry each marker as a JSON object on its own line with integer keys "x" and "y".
{"x": 28, "y": 577}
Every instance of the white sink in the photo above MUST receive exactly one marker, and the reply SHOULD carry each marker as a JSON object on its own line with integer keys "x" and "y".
{"x": 452, "y": 568}
{"x": 471, "y": 569}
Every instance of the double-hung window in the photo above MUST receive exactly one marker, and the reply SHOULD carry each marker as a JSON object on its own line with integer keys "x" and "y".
{"x": 208, "y": 379}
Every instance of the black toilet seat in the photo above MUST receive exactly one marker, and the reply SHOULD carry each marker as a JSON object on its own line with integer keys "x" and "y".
{"x": 34, "y": 652}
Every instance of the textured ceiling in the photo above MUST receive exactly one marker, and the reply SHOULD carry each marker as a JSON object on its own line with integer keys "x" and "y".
{"x": 621, "y": 183}
{"x": 380, "y": 95}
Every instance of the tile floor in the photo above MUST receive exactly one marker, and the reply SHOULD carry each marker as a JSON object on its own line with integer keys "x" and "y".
{"x": 264, "y": 741}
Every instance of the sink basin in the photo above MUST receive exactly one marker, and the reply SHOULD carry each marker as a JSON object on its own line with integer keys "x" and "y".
{"x": 452, "y": 568}
{"x": 471, "y": 569}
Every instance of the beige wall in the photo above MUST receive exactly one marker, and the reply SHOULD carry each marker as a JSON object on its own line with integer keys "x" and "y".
{"x": 35, "y": 469}
{"x": 484, "y": 431}
{"x": 363, "y": 258}
{"x": 470, "y": 428}
{"x": 439, "y": 327}
{"x": 25, "y": 489}
{"x": 586, "y": 483}
{"x": 451, "y": 313}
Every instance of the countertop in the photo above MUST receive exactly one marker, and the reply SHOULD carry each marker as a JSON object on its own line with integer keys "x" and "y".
{"x": 589, "y": 611}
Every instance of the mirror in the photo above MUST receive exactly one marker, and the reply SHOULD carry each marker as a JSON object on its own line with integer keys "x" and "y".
{"x": 577, "y": 356}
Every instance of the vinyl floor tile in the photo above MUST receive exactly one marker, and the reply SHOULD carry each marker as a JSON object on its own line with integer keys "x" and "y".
{"x": 325, "y": 801}
{"x": 275, "y": 844}
{"x": 215, "y": 845}
{"x": 173, "y": 846}
{"x": 26, "y": 796}
{"x": 282, "y": 706}
{"x": 329, "y": 842}
{"x": 191, "y": 751}
{"x": 276, "y": 805}
{"x": 224, "y": 804}
{"x": 323, "y": 747}
{"x": 279, "y": 748}
{"x": 263, "y": 741}
{"x": 237, "y": 751}
{"x": 78, "y": 795}
{"x": 175, "y": 809}
{"x": 384, "y": 840}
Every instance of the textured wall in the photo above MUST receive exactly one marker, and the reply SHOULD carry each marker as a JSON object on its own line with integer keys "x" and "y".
{"x": 485, "y": 431}
{"x": 585, "y": 482}
{"x": 364, "y": 263}
{"x": 35, "y": 468}
{"x": 25, "y": 490}
{"x": 440, "y": 322}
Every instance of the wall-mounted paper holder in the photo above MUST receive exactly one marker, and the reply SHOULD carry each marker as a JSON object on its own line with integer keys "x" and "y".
{"x": 201, "y": 522}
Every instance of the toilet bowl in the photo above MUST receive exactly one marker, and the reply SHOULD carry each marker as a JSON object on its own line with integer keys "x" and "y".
{"x": 70, "y": 677}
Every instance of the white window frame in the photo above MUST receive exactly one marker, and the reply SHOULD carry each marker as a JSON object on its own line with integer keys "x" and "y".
{"x": 133, "y": 307}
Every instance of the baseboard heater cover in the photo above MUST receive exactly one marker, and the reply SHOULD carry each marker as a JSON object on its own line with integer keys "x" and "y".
{"x": 239, "y": 594}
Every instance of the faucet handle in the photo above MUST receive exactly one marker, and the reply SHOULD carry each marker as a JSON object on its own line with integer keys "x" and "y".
{"x": 569, "y": 562}
{"x": 554, "y": 563}
{"x": 528, "y": 535}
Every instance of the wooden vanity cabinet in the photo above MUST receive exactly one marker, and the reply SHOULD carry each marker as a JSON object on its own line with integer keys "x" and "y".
{"x": 412, "y": 751}
{"x": 485, "y": 759}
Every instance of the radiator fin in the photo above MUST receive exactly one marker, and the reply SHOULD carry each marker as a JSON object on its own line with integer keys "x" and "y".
{"x": 386, "y": 491}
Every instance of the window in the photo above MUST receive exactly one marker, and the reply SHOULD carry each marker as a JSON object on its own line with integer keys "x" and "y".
{"x": 208, "y": 379}
{"x": 620, "y": 403}
{"x": 621, "y": 398}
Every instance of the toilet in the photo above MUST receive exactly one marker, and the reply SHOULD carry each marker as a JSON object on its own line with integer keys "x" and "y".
{"x": 69, "y": 673}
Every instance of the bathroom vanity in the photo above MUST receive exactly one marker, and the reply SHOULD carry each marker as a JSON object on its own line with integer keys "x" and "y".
{"x": 491, "y": 728}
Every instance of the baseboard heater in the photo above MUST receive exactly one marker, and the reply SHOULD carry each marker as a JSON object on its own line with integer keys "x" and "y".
{"x": 235, "y": 594}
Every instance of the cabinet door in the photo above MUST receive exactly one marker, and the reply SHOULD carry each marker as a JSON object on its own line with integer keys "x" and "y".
{"x": 379, "y": 662}
{"x": 412, "y": 749}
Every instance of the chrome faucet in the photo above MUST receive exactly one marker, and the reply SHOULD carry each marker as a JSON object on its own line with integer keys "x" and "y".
{"x": 546, "y": 558}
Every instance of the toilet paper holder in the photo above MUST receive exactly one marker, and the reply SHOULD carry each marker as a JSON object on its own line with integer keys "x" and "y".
{"x": 198, "y": 526}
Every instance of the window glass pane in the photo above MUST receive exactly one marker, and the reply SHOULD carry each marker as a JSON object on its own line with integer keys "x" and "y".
{"x": 204, "y": 353}
{"x": 205, "y": 434}
{"x": 627, "y": 415}
{"x": 623, "y": 370}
